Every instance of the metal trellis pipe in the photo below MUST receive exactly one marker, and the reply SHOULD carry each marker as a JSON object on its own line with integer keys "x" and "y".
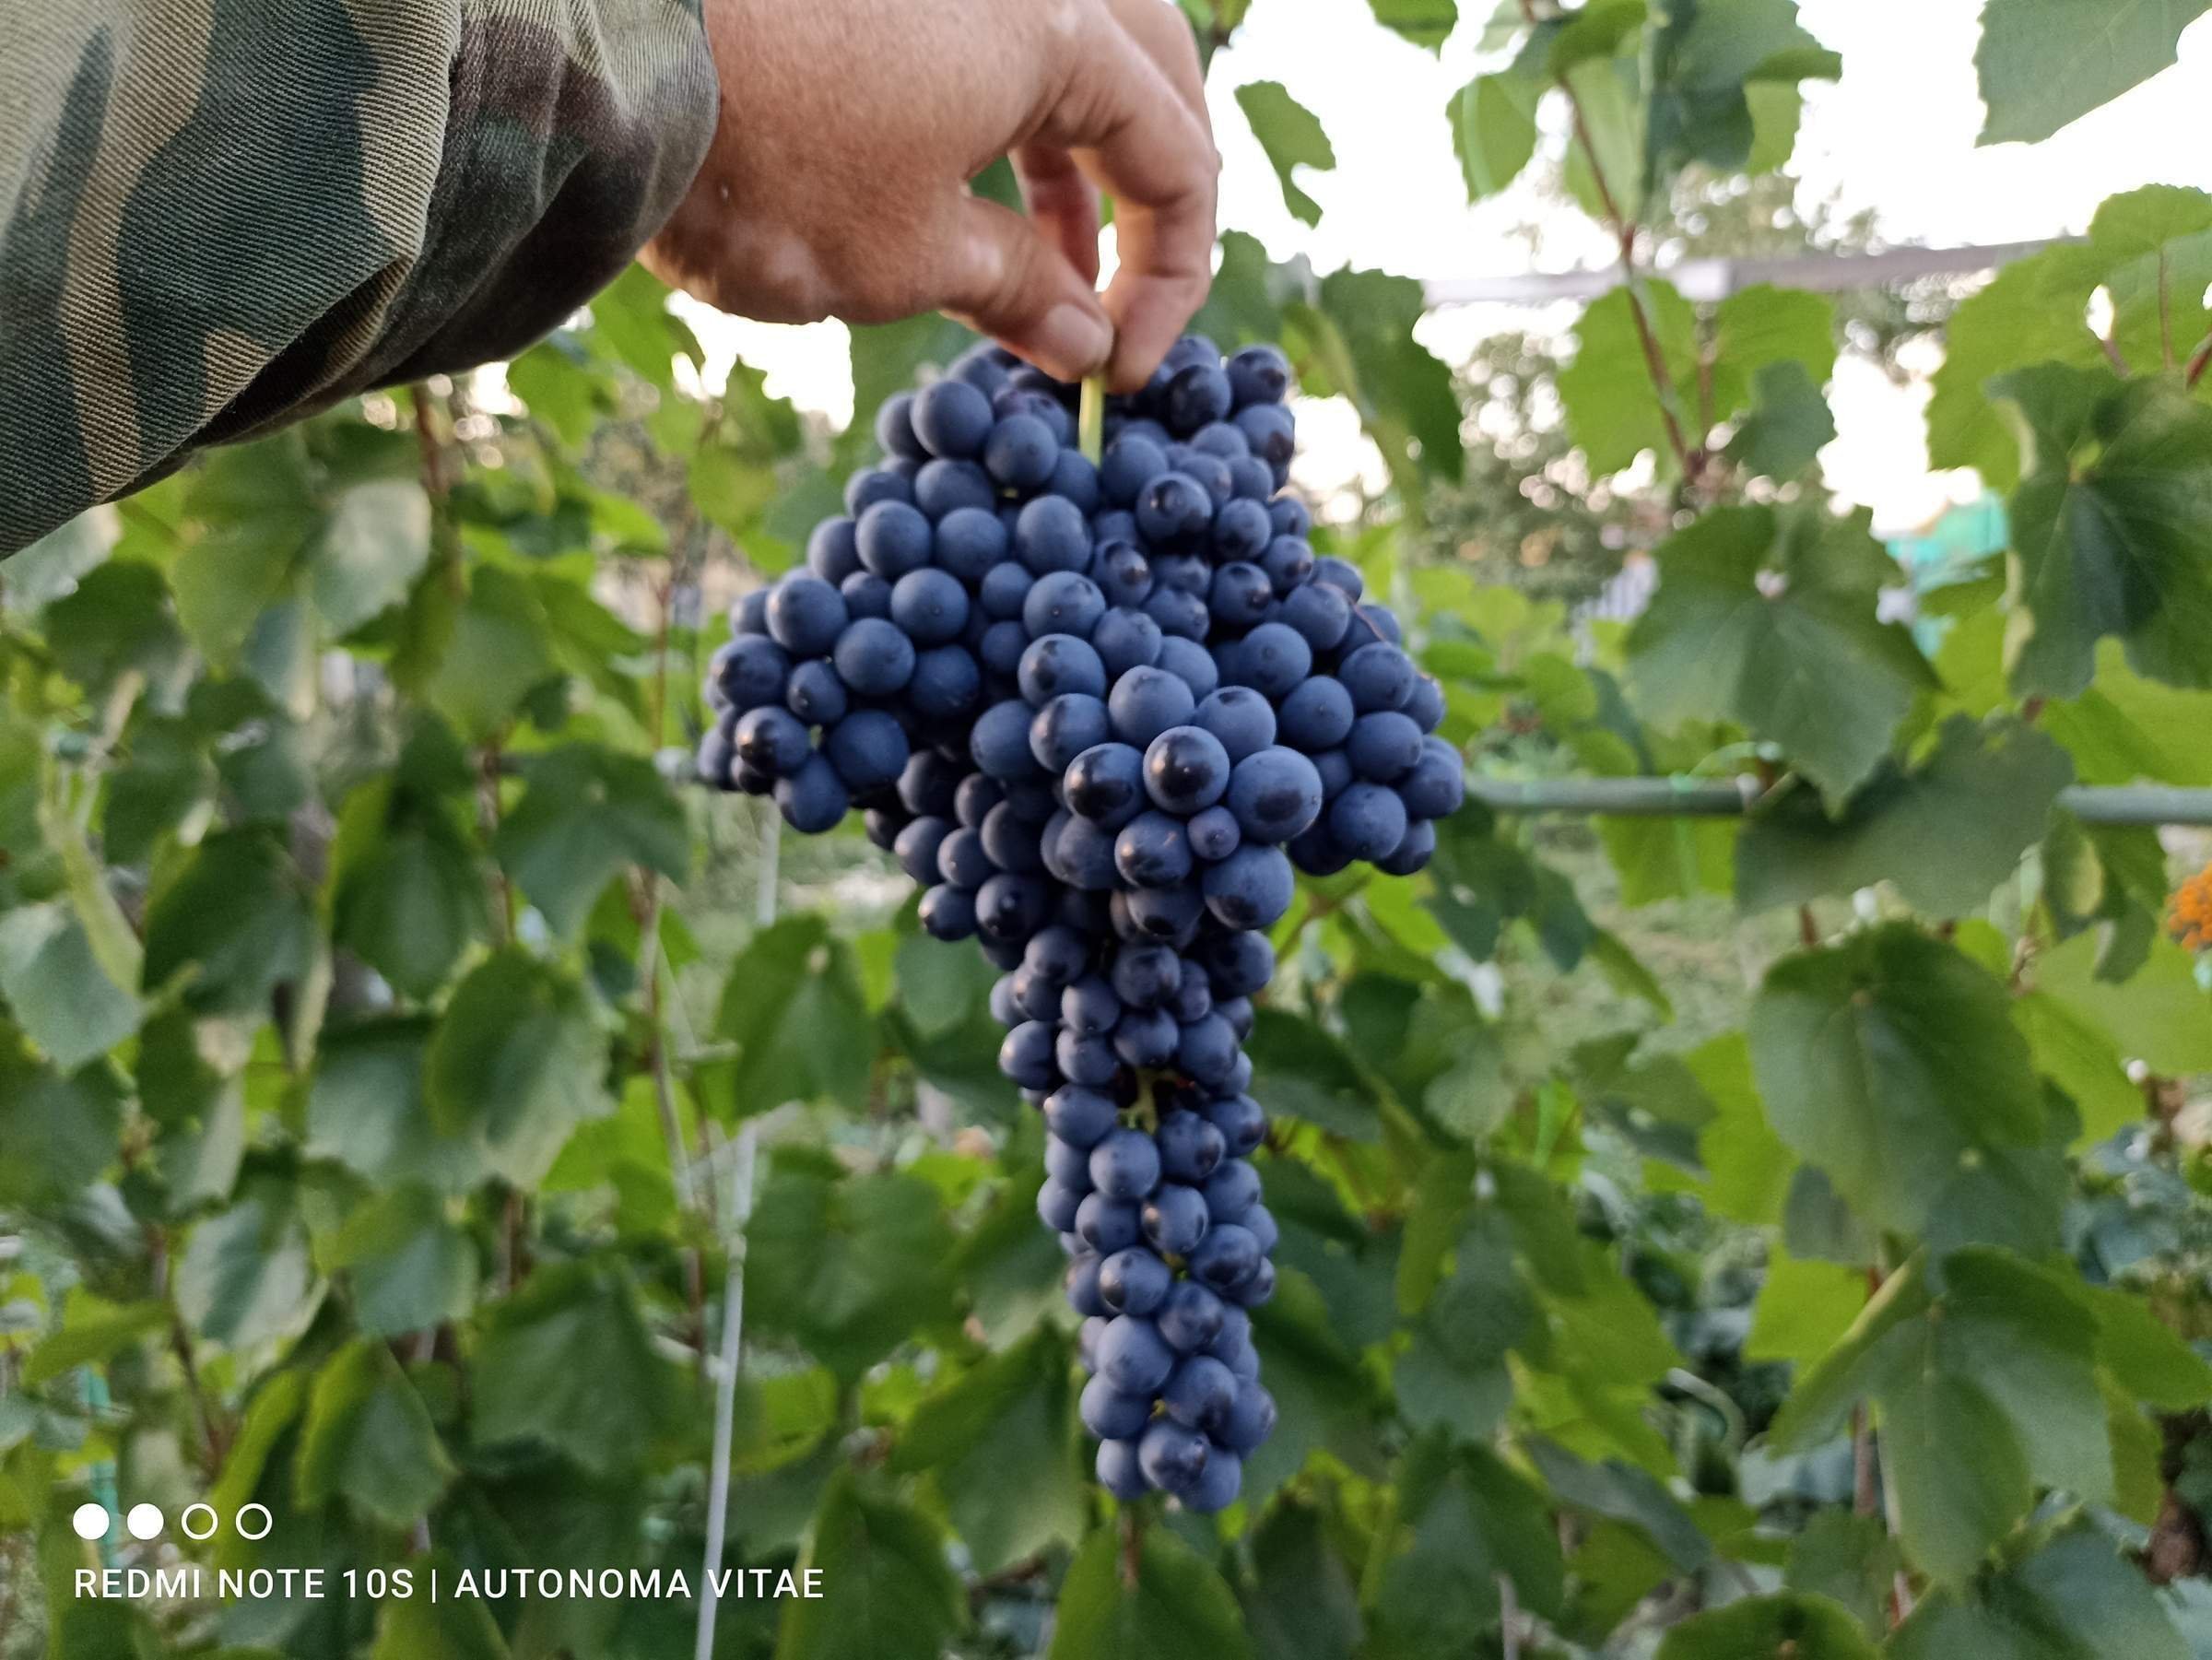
{"x": 1681, "y": 798}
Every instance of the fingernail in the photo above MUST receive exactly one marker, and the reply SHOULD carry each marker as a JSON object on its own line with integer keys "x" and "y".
{"x": 1077, "y": 339}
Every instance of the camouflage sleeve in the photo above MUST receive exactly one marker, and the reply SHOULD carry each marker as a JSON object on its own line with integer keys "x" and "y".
{"x": 216, "y": 216}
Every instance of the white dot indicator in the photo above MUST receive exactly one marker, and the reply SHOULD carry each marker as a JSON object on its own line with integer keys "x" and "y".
{"x": 144, "y": 1521}
{"x": 90, "y": 1521}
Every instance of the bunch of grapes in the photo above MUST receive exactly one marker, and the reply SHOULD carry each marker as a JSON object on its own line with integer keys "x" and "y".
{"x": 1099, "y": 712}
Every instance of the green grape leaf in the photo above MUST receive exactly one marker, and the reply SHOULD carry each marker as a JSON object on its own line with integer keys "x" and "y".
{"x": 1890, "y": 1061}
{"x": 374, "y": 541}
{"x": 1621, "y": 1492}
{"x": 1614, "y": 412}
{"x": 1173, "y": 1605}
{"x": 406, "y": 895}
{"x": 899, "y": 1601}
{"x": 1944, "y": 833}
{"x": 1424, "y": 22}
{"x": 2031, "y": 313}
{"x": 793, "y": 1006}
{"x": 1301, "y": 1602}
{"x": 555, "y": 381}
{"x": 2045, "y": 63}
{"x": 237, "y": 918}
{"x": 1771, "y": 622}
{"x": 1304, "y": 1072}
{"x": 411, "y": 1267}
{"x": 368, "y": 1109}
{"x": 849, "y": 1265}
{"x": 246, "y": 1276}
{"x": 2073, "y": 1594}
{"x": 1803, "y": 1309}
{"x": 569, "y": 1363}
{"x": 1710, "y": 63}
{"x": 452, "y": 1628}
{"x": 1292, "y": 137}
{"x": 1983, "y": 1376}
{"x": 118, "y": 619}
{"x": 368, "y": 1440}
{"x": 501, "y": 646}
{"x": 63, "y": 999}
{"x": 2125, "y": 728}
{"x": 585, "y": 813}
{"x": 1789, "y": 424}
{"x": 2113, "y": 529}
{"x": 2158, "y": 1015}
{"x": 1850, "y": 1560}
{"x": 1494, "y": 130}
{"x": 1790, "y": 1626}
{"x": 1463, "y": 1519}
{"x": 518, "y": 1061}
{"x": 57, "y": 1132}
{"x": 1000, "y": 1445}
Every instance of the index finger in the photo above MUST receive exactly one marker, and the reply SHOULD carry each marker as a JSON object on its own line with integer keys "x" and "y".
{"x": 1132, "y": 130}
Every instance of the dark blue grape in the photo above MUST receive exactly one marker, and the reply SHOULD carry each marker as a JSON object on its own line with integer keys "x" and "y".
{"x": 1057, "y": 1205}
{"x": 1090, "y": 1006}
{"x": 753, "y": 673}
{"x": 1000, "y": 650}
{"x": 1221, "y": 438}
{"x": 1225, "y": 1258}
{"x": 1207, "y": 1048}
{"x": 1231, "y": 1191}
{"x": 1174, "y": 511}
{"x": 1191, "y": 1318}
{"x": 1383, "y": 747}
{"x": 1186, "y": 571}
{"x": 971, "y": 541}
{"x": 1412, "y": 854}
{"x": 951, "y": 419}
{"x": 1108, "y": 1225}
{"x": 1126, "y": 640}
{"x": 1176, "y": 1218}
{"x": 1066, "y": 602}
{"x": 1340, "y": 574}
{"x": 1119, "y": 1470}
{"x": 930, "y": 605}
{"x": 1154, "y": 851}
{"x": 1290, "y": 515}
{"x": 1178, "y": 612}
{"x": 1080, "y": 1285}
{"x": 963, "y": 861}
{"x": 1215, "y": 834}
{"x": 946, "y": 682}
{"x": 1240, "y": 597}
{"x": 1065, "y": 727}
{"x": 1250, "y": 1419}
{"x": 1379, "y": 677}
{"x": 1051, "y": 533}
{"x": 874, "y": 657}
{"x": 1288, "y": 562}
{"x": 1146, "y": 701}
{"x": 916, "y": 848}
{"x": 1273, "y": 658}
{"x": 1010, "y": 907}
{"x": 1132, "y": 460}
{"x": 772, "y": 740}
{"x": 1145, "y": 1037}
{"x": 1367, "y": 820}
{"x": 1320, "y": 614}
{"x": 1317, "y": 714}
{"x": 1091, "y": 1062}
{"x": 1189, "y": 1147}
{"x": 832, "y": 554}
{"x": 1192, "y": 663}
{"x": 1238, "y": 964}
{"x": 1274, "y": 794}
{"x": 865, "y": 595}
{"x": 1022, "y": 451}
{"x": 1079, "y": 1117}
{"x": 945, "y": 488}
{"x": 1242, "y": 530}
{"x": 1122, "y": 573}
{"x": 1240, "y": 718}
{"x": 893, "y": 538}
{"x": 1012, "y": 842}
{"x": 1075, "y": 480}
{"x": 812, "y": 798}
{"x": 894, "y": 426}
{"x": 1199, "y": 1392}
{"x": 1057, "y": 663}
{"x": 1426, "y": 704}
{"x": 1005, "y": 589}
{"x": 1259, "y": 1289}
{"x": 1133, "y": 1281}
{"x": 1252, "y": 480}
{"x": 1063, "y": 1162}
{"x": 1081, "y": 855}
{"x": 1111, "y": 1414}
{"x": 1336, "y": 770}
{"x": 948, "y": 913}
{"x": 1259, "y": 374}
{"x": 1251, "y": 888}
{"x": 1242, "y": 1123}
{"x": 1172, "y": 1458}
{"x": 868, "y": 749}
{"x": 1186, "y": 769}
{"x": 1000, "y": 740}
{"x": 1106, "y": 783}
{"x": 1237, "y": 1011}
{"x": 1195, "y": 396}
{"x": 866, "y": 489}
{"x": 816, "y": 694}
{"x": 1272, "y": 434}
{"x": 1258, "y": 1221}
{"x": 1025, "y": 1056}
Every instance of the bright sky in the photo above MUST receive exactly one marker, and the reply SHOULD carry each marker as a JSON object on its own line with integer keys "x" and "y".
{"x": 1897, "y": 134}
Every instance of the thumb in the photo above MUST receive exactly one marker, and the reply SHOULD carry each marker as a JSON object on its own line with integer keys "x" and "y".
{"x": 1007, "y": 282}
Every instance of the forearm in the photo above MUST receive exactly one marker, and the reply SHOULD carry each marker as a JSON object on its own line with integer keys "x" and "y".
{"x": 207, "y": 233}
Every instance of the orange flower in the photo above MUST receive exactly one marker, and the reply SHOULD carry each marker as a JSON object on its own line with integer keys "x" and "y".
{"x": 2190, "y": 916}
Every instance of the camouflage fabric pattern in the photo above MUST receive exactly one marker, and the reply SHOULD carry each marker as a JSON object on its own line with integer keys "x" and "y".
{"x": 216, "y": 216}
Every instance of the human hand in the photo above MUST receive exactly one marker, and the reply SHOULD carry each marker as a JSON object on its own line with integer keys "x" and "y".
{"x": 836, "y": 184}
